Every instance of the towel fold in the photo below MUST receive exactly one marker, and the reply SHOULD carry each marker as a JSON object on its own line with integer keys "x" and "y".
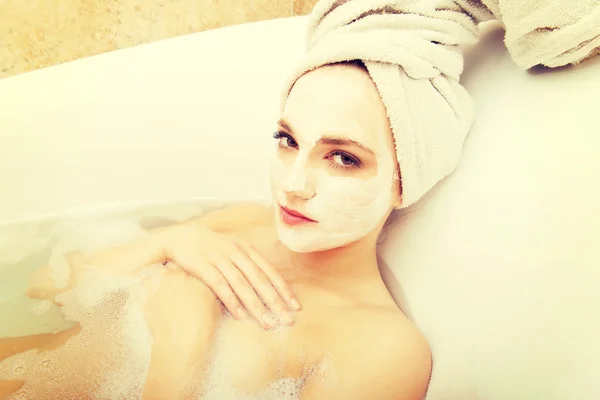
{"x": 549, "y": 32}
{"x": 411, "y": 51}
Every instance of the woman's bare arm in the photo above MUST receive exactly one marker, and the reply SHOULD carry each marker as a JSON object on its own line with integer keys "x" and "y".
{"x": 148, "y": 250}
{"x": 182, "y": 316}
{"x": 211, "y": 253}
{"x": 235, "y": 218}
{"x": 123, "y": 259}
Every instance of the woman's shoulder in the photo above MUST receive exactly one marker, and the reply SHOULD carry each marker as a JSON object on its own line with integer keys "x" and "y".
{"x": 383, "y": 323}
{"x": 249, "y": 209}
{"x": 237, "y": 217}
{"x": 396, "y": 352}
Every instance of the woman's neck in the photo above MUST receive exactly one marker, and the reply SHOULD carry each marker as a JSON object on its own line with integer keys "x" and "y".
{"x": 355, "y": 261}
{"x": 340, "y": 276}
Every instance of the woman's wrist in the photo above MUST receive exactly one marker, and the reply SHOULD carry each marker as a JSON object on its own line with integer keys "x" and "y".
{"x": 147, "y": 250}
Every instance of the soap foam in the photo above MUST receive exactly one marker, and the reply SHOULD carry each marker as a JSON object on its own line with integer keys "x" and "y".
{"x": 59, "y": 269}
{"x": 41, "y": 307}
{"x": 218, "y": 386}
{"x": 218, "y": 383}
{"x": 109, "y": 358}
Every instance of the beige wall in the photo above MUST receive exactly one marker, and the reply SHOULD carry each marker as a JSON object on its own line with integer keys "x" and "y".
{"x": 39, "y": 33}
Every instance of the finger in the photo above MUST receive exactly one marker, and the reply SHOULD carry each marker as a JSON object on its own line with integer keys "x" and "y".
{"x": 261, "y": 285}
{"x": 221, "y": 288}
{"x": 214, "y": 279}
{"x": 246, "y": 293}
{"x": 273, "y": 275}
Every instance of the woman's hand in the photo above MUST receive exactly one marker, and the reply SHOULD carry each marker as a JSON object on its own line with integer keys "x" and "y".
{"x": 237, "y": 274}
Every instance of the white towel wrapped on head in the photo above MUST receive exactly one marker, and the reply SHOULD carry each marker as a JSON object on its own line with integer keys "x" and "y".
{"x": 410, "y": 49}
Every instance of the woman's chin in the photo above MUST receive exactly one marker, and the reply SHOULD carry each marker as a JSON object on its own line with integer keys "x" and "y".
{"x": 308, "y": 239}
{"x": 295, "y": 239}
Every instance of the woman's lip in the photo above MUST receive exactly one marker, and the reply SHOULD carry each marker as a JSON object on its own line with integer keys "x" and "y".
{"x": 296, "y": 213}
{"x": 292, "y": 217}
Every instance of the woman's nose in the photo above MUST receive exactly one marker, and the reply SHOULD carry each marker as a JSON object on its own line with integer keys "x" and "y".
{"x": 298, "y": 184}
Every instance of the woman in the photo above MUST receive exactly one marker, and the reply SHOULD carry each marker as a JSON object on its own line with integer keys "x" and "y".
{"x": 216, "y": 319}
{"x": 334, "y": 182}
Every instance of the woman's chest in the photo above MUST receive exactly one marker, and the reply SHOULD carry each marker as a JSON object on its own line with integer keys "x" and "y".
{"x": 252, "y": 361}
{"x": 263, "y": 237}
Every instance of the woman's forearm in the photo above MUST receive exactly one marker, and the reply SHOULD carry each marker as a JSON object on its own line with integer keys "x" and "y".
{"x": 120, "y": 259}
{"x": 144, "y": 251}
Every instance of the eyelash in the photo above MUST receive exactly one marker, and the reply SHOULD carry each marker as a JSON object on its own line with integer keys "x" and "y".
{"x": 355, "y": 162}
{"x": 280, "y": 135}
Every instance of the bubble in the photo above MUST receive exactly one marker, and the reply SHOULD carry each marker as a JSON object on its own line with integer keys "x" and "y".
{"x": 46, "y": 363}
{"x": 19, "y": 370}
{"x": 41, "y": 307}
{"x": 59, "y": 271}
{"x": 219, "y": 384}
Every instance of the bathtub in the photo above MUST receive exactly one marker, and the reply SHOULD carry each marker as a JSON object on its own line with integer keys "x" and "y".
{"x": 499, "y": 265}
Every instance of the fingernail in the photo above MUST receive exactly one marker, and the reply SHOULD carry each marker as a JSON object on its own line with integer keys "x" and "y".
{"x": 295, "y": 305}
{"x": 241, "y": 313}
{"x": 286, "y": 317}
{"x": 268, "y": 319}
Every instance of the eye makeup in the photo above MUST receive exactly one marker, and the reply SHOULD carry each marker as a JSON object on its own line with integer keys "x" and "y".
{"x": 343, "y": 160}
{"x": 337, "y": 159}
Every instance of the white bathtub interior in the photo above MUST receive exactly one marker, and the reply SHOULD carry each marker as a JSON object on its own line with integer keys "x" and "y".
{"x": 499, "y": 264}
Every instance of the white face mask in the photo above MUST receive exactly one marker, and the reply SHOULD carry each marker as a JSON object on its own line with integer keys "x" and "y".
{"x": 346, "y": 209}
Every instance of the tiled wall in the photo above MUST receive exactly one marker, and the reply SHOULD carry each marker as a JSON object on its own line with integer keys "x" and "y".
{"x": 39, "y": 33}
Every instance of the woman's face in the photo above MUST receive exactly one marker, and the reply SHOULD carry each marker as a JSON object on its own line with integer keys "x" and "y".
{"x": 335, "y": 161}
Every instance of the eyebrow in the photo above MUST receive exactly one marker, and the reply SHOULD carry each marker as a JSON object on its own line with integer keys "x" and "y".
{"x": 329, "y": 140}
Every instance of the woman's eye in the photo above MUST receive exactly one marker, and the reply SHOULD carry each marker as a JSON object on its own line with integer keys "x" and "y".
{"x": 288, "y": 142}
{"x": 284, "y": 140}
{"x": 344, "y": 160}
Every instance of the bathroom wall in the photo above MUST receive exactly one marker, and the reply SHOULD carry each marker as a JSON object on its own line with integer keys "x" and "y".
{"x": 40, "y": 33}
